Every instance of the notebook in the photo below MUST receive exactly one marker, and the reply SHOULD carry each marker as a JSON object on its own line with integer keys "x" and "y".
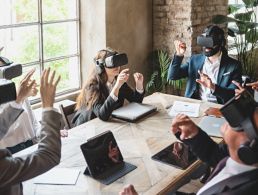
{"x": 58, "y": 176}
{"x": 133, "y": 111}
{"x": 211, "y": 125}
{"x": 104, "y": 159}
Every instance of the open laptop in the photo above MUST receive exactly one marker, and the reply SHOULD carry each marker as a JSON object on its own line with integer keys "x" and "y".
{"x": 211, "y": 125}
{"x": 104, "y": 159}
{"x": 133, "y": 111}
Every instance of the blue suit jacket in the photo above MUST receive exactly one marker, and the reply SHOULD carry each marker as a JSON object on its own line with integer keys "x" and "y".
{"x": 230, "y": 69}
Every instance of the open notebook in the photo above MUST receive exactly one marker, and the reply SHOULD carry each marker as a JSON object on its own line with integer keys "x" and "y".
{"x": 133, "y": 111}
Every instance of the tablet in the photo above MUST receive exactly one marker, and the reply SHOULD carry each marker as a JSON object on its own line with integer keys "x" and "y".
{"x": 177, "y": 154}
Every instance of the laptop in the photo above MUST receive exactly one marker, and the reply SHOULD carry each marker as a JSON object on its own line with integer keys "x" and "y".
{"x": 104, "y": 159}
{"x": 133, "y": 111}
{"x": 211, "y": 125}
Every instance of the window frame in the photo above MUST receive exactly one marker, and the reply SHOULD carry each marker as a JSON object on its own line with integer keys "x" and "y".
{"x": 41, "y": 61}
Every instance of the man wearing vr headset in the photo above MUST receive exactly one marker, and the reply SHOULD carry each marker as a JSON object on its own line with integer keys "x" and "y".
{"x": 235, "y": 162}
{"x": 107, "y": 88}
{"x": 213, "y": 70}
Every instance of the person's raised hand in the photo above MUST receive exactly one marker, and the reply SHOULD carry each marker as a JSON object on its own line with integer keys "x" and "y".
{"x": 48, "y": 85}
{"x": 185, "y": 126}
{"x": 122, "y": 78}
{"x": 205, "y": 81}
{"x": 180, "y": 47}
{"x": 254, "y": 85}
{"x": 27, "y": 87}
{"x": 138, "y": 77}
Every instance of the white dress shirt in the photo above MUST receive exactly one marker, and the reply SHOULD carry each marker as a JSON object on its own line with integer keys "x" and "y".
{"x": 26, "y": 127}
{"x": 232, "y": 168}
{"x": 212, "y": 70}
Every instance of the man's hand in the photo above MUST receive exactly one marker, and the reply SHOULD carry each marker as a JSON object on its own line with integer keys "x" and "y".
{"x": 240, "y": 88}
{"x": 27, "y": 87}
{"x": 128, "y": 190}
{"x": 48, "y": 88}
{"x": 180, "y": 47}
{"x": 254, "y": 85}
{"x": 138, "y": 77}
{"x": 205, "y": 81}
{"x": 183, "y": 124}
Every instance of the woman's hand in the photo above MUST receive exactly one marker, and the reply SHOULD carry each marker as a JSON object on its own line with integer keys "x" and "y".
{"x": 180, "y": 47}
{"x": 138, "y": 77}
{"x": 122, "y": 78}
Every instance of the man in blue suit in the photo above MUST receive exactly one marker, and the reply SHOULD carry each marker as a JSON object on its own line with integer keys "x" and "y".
{"x": 209, "y": 74}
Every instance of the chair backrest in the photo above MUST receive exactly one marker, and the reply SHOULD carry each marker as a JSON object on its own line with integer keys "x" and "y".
{"x": 67, "y": 114}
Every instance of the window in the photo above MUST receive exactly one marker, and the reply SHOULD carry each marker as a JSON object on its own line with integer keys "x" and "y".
{"x": 40, "y": 34}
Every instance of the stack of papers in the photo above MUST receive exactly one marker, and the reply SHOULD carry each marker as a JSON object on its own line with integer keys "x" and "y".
{"x": 189, "y": 109}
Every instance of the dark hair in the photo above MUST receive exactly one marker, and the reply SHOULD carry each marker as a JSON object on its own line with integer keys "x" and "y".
{"x": 94, "y": 89}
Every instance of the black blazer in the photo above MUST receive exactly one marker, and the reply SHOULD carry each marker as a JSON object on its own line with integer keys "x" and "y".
{"x": 212, "y": 153}
{"x": 230, "y": 69}
{"x": 103, "y": 110}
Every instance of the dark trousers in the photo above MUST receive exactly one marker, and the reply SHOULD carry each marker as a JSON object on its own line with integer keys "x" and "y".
{"x": 20, "y": 146}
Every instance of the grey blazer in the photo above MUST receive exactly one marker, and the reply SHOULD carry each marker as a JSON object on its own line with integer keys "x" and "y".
{"x": 13, "y": 171}
{"x": 7, "y": 116}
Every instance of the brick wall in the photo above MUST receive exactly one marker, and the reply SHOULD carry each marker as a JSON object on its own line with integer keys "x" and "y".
{"x": 184, "y": 20}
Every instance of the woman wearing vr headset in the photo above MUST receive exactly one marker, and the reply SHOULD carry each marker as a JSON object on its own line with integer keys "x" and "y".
{"x": 210, "y": 74}
{"x": 106, "y": 89}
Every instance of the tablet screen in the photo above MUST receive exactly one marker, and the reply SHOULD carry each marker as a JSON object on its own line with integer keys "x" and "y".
{"x": 177, "y": 154}
{"x": 101, "y": 153}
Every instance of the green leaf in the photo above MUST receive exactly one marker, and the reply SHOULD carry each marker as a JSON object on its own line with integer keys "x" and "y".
{"x": 234, "y": 8}
{"x": 252, "y": 36}
{"x": 250, "y": 3}
{"x": 244, "y": 16}
{"x": 221, "y": 19}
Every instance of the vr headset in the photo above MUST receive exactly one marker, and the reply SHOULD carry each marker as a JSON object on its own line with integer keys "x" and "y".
{"x": 113, "y": 60}
{"x": 239, "y": 113}
{"x": 212, "y": 36}
{"x": 8, "y": 70}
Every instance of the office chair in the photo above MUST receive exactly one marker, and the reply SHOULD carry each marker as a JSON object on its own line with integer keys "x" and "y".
{"x": 67, "y": 114}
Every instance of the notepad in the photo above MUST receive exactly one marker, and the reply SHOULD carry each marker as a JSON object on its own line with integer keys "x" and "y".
{"x": 189, "y": 109}
{"x": 58, "y": 176}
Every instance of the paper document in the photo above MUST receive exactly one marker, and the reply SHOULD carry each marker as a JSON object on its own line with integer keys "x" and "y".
{"x": 189, "y": 109}
{"x": 58, "y": 176}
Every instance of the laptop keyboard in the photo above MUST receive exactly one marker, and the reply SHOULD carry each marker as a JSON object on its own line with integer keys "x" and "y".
{"x": 115, "y": 173}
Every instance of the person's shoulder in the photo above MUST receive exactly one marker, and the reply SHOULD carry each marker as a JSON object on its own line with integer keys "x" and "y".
{"x": 231, "y": 60}
{"x": 198, "y": 56}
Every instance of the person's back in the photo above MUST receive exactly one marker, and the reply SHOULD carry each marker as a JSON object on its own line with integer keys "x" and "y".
{"x": 13, "y": 171}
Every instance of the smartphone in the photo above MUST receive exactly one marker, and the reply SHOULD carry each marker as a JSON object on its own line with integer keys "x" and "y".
{"x": 177, "y": 154}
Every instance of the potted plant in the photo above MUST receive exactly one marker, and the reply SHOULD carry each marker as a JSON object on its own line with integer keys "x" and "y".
{"x": 242, "y": 26}
{"x": 158, "y": 80}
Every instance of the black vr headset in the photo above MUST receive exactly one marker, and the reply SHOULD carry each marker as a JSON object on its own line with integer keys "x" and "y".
{"x": 211, "y": 37}
{"x": 8, "y": 70}
{"x": 111, "y": 61}
{"x": 239, "y": 113}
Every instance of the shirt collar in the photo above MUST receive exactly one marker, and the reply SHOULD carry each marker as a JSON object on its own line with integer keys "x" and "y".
{"x": 216, "y": 62}
{"x": 236, "y": 168}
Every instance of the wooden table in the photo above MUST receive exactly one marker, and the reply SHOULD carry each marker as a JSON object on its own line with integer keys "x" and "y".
{"x": 137, "y": 142}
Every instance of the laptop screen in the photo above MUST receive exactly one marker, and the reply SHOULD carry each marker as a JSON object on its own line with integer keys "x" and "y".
{"x": 101, "y": 153}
